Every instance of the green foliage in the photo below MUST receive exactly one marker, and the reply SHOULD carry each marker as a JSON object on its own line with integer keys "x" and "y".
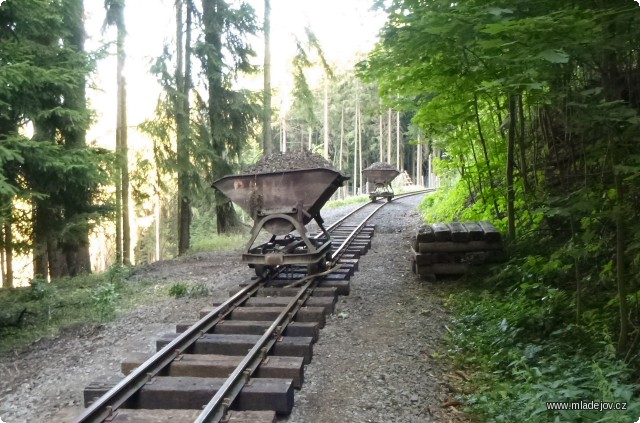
{"x": 524, "y": 352}
{"x": 45, "y": 309}
{"x": 106, "y": 296}
{"x": 118, "y": 274}
{"x": 204, "y": 234}
{"x": 455, "y": 203}
{"x": 537, "y": 126}
{"x": 43, "y": 72}
{"x": 359, "y": 199}
{"x": 215, "y": 242}
{"x": 198, "y": 290}
{"x": 105, "y": 299}
{"x": 38, "y": 289}
{"x": 178, "y": 290}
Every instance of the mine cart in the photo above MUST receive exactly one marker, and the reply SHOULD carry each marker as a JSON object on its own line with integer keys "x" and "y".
{"x": 381, "y": 175}
{"x": 280, "y": 203}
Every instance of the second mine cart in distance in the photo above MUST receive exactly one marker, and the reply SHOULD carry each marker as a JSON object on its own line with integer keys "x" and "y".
{"x": 280, "y": 203}
{"x": 381, "y": 174}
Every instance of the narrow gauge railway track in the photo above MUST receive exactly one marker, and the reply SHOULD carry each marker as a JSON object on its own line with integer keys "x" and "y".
{"x": 203, "y": 373}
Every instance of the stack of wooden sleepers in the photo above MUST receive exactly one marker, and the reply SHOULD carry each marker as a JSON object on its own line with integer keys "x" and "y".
{"x": 449, "y": 249}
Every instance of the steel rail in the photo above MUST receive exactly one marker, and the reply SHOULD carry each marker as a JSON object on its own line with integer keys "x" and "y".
{"x": 215, "y": 410}
{"x": 103, "y": 407}
{"x": 340, "y": 250}
{"x": 218, "y": 406}
{"x": 351, "y": 213}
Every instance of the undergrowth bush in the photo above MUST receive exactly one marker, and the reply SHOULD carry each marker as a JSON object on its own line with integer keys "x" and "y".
{"x": 105, "y": 299}
{"x": 180, "y": 290}
{"x": 446, "y": 204}
{"x": 45, "y": 308}
{"x": 519, "y": 332}
{"x": 524, "y": 353}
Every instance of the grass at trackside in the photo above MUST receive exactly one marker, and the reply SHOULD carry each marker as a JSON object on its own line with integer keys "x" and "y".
{"x": 518, "y": 353}
{"x": 45, "y": 309}
{"x": 219, "y": 242}
{"x": 357, "y": 199}
{"x": 347, "y": 201}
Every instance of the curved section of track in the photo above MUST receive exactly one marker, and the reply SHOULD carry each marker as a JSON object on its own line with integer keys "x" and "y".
{"x": 297, "y": 301}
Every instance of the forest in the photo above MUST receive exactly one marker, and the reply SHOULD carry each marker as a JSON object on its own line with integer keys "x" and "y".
{"x": 530, "y": 111}
{"x": 206, "y": 125}
{"x": 535, "y": 104}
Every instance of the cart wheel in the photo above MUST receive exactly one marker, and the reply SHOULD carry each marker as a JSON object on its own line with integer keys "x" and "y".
{"x": 313, "y": 268}
{"x": 389, "y": 199}
{"x": 260, "y": 269}
{"x": 373, "y": 198}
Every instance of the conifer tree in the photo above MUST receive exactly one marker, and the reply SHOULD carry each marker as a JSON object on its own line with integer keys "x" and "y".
{"x": 44, "y": 72}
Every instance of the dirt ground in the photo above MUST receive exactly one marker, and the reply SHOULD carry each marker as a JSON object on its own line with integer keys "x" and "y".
{"x": 376, "y": 359}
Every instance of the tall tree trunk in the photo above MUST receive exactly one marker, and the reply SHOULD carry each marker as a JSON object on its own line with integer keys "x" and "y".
{"x": 283, "y": 125}
{"x": 158, "y": 215}
{"x": 40, "y": 239}
{"x": 360, "y": 161}
{"x": 389, "y": 138}
{"x": 355, "y": 146}
{"x": 521, "y": 146}
{"x": 77, "y": 252}
{"x": 326, "y": 116}
{"x": 3, "y": 276}
{"x": 118, "y": 183}
{"x": 268, "y": 144}
{"x": 475, "y": 161}
{"x": 43, "y": 221}
{"x": 182, "y": 125}
{"x": 486, "y": 154}
{"x": 341, "y": 136}
{"x": 419, "y": 162}
{"x": 510, "y": 166}
{"x": 621, "y": 276}
{"x": 381, "y": 137}
{"x": 7, "y": 281}
{"x": 398, "y": 141}
{"x": 213, "y": 18}
{"x": 121, "y": 133}
{"x": 429, "y": 179}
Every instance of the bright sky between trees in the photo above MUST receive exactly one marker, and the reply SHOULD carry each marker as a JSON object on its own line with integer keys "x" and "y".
{"x": 344, "y": 28}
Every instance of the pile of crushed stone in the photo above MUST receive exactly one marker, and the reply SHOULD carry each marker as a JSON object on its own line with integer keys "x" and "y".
{"x": 280, "y": 162}
{"x": 381, "y": 166}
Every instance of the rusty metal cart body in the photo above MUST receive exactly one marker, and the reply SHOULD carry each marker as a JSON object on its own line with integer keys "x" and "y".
{"x": 381, "y": 178}
{"x": 280, "y": 203}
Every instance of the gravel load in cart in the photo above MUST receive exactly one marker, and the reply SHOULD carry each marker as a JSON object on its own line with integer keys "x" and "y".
{"x": 381, "y": 174}
{"x": 282, "y": 193}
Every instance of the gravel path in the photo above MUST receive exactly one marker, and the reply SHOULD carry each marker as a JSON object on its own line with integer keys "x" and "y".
{"x": 375, "y": 360}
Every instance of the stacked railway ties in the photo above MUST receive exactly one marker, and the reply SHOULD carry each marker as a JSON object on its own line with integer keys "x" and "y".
{"x": 243, "y": 359}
